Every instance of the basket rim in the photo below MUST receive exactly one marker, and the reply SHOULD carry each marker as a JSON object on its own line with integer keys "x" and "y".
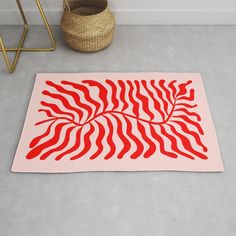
{"x": 96, "y": 14}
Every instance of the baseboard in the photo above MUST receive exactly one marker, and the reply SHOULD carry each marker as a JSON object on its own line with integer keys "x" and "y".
{"x": 136, "y": 17}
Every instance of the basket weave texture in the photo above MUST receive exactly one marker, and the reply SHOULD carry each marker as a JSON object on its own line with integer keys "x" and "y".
{"x": 87, "y": 25}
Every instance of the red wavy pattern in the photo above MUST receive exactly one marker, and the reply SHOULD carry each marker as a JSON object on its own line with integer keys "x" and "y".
{"x": 119, "y": 119}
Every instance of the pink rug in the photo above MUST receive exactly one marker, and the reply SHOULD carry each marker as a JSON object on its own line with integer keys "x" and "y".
{"x": 118, "y": 122}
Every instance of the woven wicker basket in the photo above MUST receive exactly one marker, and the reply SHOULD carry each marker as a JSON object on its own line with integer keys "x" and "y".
{"x": 87, "y": 25}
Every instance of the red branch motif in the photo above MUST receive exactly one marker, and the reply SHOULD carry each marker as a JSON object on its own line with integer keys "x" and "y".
{"x": 146, "y": 118}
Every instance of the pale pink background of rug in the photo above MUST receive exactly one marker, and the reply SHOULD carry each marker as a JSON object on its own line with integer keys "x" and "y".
{"x": 212, "y": 164}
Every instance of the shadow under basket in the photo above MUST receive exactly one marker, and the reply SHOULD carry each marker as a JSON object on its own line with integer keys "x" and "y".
{"x": 87, "y": 25}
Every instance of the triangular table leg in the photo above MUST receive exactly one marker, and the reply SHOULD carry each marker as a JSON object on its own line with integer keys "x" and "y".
{"x": 11, "y": 67}
{"x": 20, "y": 47}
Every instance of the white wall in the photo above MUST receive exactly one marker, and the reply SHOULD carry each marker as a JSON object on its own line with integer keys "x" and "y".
{"x": 137, "y": 11}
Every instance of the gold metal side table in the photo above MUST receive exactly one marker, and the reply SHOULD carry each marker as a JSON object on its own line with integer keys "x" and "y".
{"x": 11, "y": 67}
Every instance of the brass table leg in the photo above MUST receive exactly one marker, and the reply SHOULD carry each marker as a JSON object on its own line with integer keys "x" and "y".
{"x": 4, "y": 50}
{"x": 20, "y": 48}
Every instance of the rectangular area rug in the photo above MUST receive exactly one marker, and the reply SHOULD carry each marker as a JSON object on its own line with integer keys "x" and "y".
{"x": 118, "y": 122}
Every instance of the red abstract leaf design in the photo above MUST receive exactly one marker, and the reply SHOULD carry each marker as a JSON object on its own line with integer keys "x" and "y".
{"x": 147, "y": 117}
